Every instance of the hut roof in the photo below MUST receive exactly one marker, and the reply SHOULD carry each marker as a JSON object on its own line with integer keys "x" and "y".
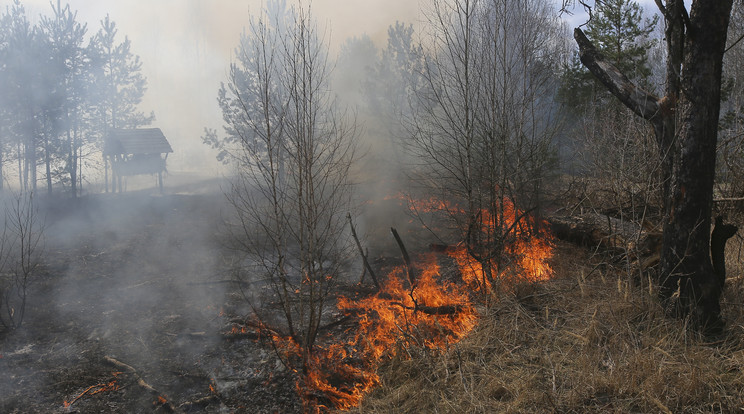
{"x": 136, "y": 141}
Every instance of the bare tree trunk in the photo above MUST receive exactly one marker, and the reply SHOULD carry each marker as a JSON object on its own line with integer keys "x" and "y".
{"x": 685, "y": 122}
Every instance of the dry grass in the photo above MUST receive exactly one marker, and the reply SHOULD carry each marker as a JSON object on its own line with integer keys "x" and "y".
{"x": 589, "y": 341}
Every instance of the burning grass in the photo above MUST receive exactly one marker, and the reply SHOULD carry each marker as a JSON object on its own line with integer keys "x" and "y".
{"x": 432, "y": 314}
{"x": 416, "y": 310}
{"x": 586, "y": 341}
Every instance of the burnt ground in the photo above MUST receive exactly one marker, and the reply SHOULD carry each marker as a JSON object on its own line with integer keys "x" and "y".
{"x": 140, "y": 279}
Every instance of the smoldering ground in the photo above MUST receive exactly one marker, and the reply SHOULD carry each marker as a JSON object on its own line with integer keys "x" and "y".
{"x": 140, "y": 279}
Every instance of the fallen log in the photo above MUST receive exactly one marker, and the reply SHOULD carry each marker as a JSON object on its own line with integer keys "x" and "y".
{"x": 610, "y": 233}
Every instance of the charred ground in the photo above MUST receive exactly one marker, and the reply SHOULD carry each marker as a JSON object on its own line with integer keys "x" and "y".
{"x": 138, "y": 279}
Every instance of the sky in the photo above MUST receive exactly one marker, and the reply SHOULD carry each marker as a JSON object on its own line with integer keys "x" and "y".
{"x": 186, "y": 47}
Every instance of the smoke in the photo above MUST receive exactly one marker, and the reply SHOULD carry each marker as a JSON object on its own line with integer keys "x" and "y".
{"x": 186, "y": 47}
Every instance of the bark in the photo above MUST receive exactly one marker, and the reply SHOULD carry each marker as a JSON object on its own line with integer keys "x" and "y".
{"x": 685, "y": 123}
{"x": 718, "y": 238}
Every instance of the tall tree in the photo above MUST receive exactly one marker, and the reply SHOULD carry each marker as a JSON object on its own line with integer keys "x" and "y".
{"x": 27, "y": 90}
{"x": 70, "y": 66}
{"x": 120, "y": 83}
{"x": 685, "y": 122}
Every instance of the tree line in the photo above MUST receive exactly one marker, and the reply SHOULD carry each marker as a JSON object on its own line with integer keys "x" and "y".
{"x": 61, "y": 90}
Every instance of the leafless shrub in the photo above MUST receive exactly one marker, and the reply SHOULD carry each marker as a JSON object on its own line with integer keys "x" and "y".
{"x": 20, "y": 248}
{"x": 293, "y": 153}
{"x": 484, "y": 123}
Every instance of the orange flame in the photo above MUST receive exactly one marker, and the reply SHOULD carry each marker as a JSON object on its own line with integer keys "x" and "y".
{"x": 95, "y": 389}
{"x": 432, "y": 314}
{"x": 429, "y": 312}
{"x": 528, "y": 244}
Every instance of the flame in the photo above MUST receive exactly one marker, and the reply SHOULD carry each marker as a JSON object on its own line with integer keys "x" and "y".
{"x": 434, "y": 313}
{"x": 528, "y": 244}
{"x": 238, "y": 330}
{"x": 112, "y": 385}
{"x": 429, "y": 312}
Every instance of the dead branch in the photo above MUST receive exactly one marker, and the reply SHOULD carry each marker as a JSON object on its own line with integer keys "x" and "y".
{"x": 361, "y": 252}
{"x": 93, "y": 389}
{"x": 433, "y": 310}
{"x": 406, "y": 258}
{"x": 160, "y": 399}
{"x": 199, "y": 404}
{"x": 643, "y": 103}
{"x": 234, "y": 336}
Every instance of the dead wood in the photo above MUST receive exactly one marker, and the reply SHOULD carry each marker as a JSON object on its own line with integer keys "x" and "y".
{"x": 159, "y": 398}
{"x": 406, "y": 258}
{"x": 234, "y": 336}
{"x": 433, "y": 310}
{"x": 200, "y": 403}
{"x": 361, "y": 252}
{"x": 599, "y": 230}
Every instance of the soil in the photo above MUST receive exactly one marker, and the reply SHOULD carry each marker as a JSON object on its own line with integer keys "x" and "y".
{"x": 144, "y": 280}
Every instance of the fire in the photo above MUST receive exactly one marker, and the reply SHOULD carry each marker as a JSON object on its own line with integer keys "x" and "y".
{"x": 112, "y": 385}
{"x": 428, "y": 312}
{"x": 433, "y": 314}
{"x": 526, "y": 245}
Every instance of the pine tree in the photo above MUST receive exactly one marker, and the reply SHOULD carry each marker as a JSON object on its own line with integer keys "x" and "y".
{"x": 623, "y": 36}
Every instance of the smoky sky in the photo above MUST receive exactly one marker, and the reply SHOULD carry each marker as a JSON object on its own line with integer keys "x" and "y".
{"x": 186, "y": 47}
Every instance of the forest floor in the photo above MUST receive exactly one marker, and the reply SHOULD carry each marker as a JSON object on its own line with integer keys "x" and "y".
{"x": 136, "y": 279}
{"x": 132, "y": 313}
{"x": 594, "y": 339}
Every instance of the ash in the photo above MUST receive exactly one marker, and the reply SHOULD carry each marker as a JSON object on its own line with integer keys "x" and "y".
{"x": 143, "y": 280}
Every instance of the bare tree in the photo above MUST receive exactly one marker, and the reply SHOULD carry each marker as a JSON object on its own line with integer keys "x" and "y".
{"x": 485, "y": 121}
{"x": 20, "y": 248}
{"x": 685, "y": 122}
{"x": 293, "y": 151}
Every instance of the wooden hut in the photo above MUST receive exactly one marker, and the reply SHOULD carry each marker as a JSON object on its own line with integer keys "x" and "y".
{"x": 135, "y": 152}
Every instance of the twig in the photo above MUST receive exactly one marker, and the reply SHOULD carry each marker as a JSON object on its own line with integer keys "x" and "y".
{"x": 69, "y": 404}
{"x": 141, "y": 382}
{"x": 200, "y": 403}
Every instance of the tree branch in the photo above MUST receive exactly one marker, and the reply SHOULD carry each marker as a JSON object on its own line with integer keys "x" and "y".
{"x": 643, "y": 103}
{"x": 661, "y": 7}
